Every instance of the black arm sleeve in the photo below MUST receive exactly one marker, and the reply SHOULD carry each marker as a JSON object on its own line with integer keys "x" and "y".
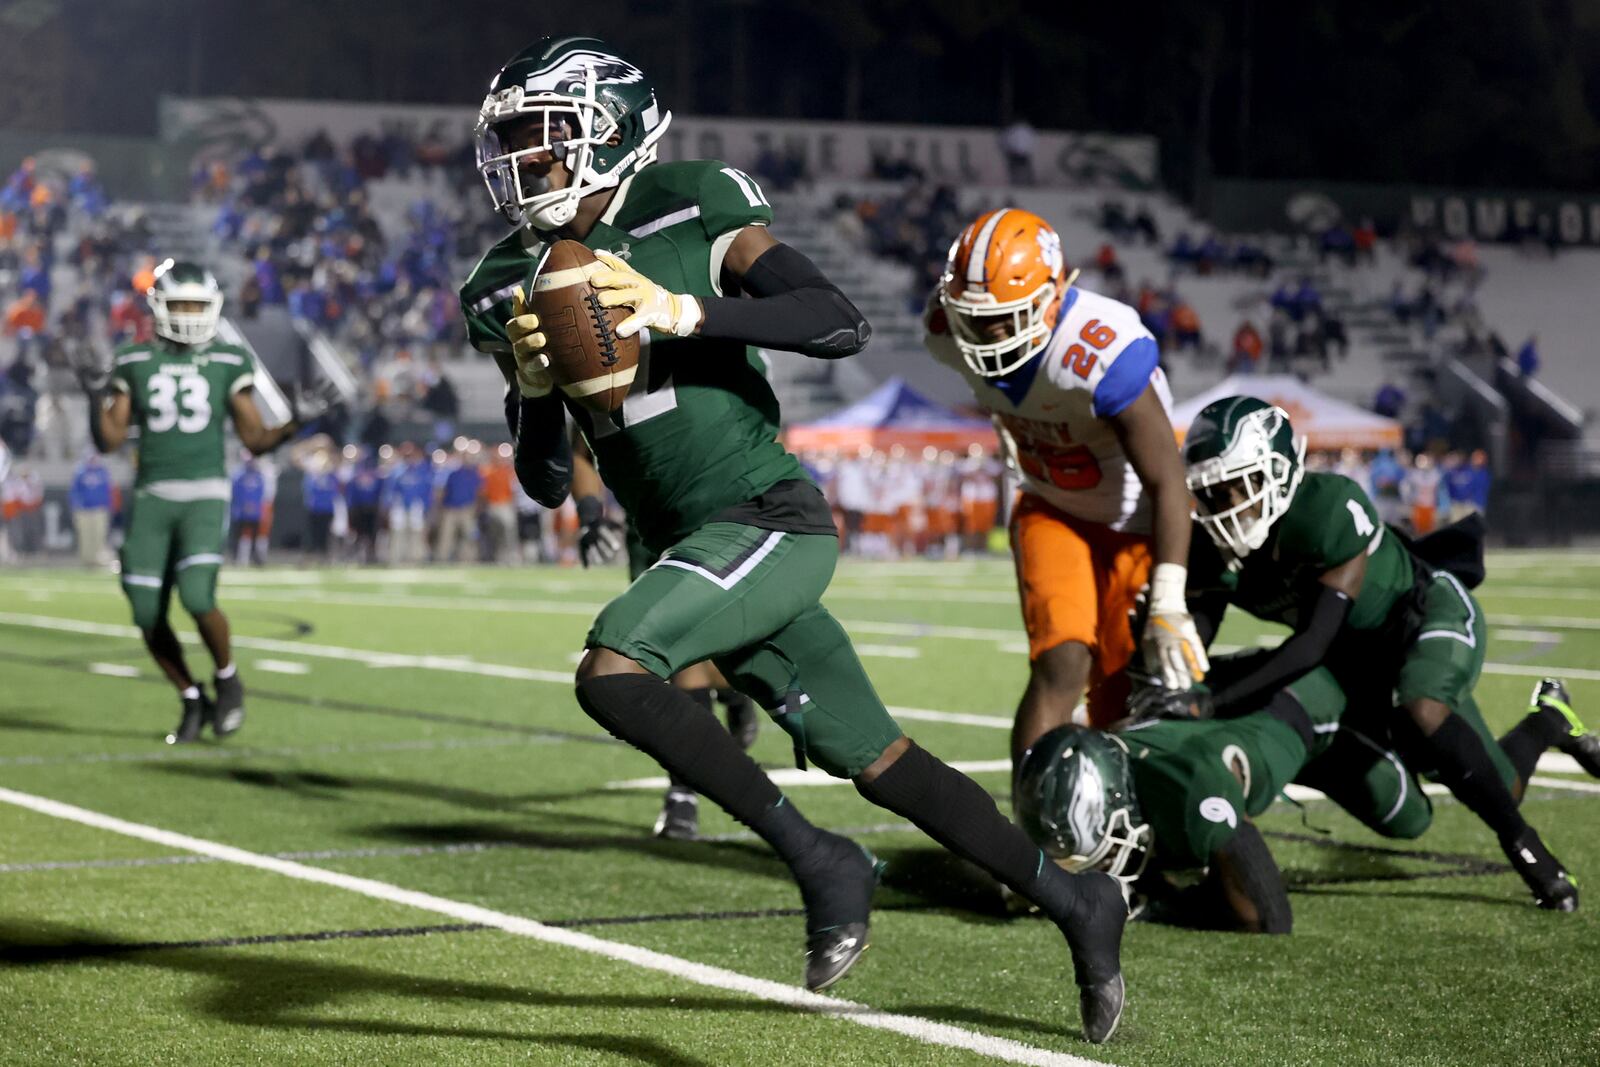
{"x": 543, "y": 457}
{"x": 1248, "y": 874}
{"x": 97, "y": 400}
{"x": 1207, "y": 610}
{"x": 1290, "y": 660}
{"x": 795, "y": 309}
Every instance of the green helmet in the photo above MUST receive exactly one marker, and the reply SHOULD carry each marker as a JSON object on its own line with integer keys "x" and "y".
{"x": 1075, "y": 799}
{"x": 598, "y": 116}
{"x": 1244, "y": 464}
{"x": 178, "y": 282}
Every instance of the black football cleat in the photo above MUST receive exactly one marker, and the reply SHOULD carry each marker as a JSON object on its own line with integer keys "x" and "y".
{"x": 1094, "y": 934}
{"x": 836, "y": 889}
{"x": 196, "y": 711}
{"x": 1577, "y": 741}
{"x": 744, "y": 719}
{"x": 1552, "y": 888}
{"x": 228, "y": 713}
{"x": 680, "y": 815}
{"x": 831, "y": 953}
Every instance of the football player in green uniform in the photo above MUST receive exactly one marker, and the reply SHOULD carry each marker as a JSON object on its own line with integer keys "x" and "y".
{"x": 600, "y": 541}
{"x": 746, "y": 544}
{"x": 178, "y": 391}
{"x": 1179, "y": 793}
{"x": 1404, "y": 640}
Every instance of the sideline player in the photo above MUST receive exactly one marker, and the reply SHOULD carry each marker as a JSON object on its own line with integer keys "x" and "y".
{"x": 1073, "y": 383}
{"x": 566, "y": 143}
{"x": 177, "y": 390}
{"x": 1404, "y": 639}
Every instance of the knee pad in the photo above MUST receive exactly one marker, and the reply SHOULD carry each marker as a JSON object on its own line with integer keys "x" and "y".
{"x": 197, "y": 588}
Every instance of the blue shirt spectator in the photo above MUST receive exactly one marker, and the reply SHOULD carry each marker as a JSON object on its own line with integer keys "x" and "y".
{"x": 364, "y": 488}
{"x": 461, "y": 486}
{"x": 249, "y": 494}
{"x": 411, "y": 484}
{"x": 1389, "y": 400}
{"x": 1386, "y": 474}
{"x": 91, "y": 486}
{"x": 320, "y": 492}
{"x": 1528, "y": 356}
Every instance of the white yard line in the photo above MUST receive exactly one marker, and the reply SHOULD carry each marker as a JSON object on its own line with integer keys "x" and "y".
{"x": 924, "y": 1030}
{"x": 114, "y": 670}
{"x": 282, "y": 666}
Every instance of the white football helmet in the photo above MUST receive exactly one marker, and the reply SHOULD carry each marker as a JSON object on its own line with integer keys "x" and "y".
{"x": 178, "y": 282}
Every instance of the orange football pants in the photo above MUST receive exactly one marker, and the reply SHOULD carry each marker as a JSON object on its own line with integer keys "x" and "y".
{"x": 1078, "y": 581}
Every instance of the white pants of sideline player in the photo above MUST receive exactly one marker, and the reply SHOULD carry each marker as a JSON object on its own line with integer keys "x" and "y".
{"x": 91, "y": 525}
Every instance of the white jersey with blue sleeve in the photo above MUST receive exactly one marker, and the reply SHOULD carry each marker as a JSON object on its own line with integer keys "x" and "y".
{"x": 1053, "y": 414}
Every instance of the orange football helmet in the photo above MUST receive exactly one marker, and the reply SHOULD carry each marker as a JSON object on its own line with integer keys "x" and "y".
{"x": 1002, "y": 289}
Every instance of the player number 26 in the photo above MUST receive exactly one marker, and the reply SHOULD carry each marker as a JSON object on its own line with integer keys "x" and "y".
{"x": 1078, "y": 358}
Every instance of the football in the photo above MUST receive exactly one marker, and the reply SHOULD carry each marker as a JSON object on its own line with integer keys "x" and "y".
{"x": 588, "y": 361}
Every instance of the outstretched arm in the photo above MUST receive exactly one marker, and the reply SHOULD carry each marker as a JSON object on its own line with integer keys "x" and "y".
{"x": 1305, "y": 649}
{"x": 109, "y": 416}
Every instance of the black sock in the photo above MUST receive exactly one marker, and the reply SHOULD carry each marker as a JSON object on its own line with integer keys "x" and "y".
{"x": 1463, "y": 765}
{"x": 1525, "y": 742}
{"x": 956, "y": 812}
{"x": 692, "y": 745}
{"x": 701, "y": 697}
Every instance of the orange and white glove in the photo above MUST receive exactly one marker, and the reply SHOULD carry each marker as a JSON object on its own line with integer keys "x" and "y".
{"x": 1173, "y": 651}
{"x": 675, "y": 314}
{"x": 527, "y": 346}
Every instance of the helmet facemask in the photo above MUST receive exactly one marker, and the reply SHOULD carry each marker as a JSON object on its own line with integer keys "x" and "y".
{"x": 972, "y": 317}
{"x": 1242, "y": 492}
{"x": 573, "y": 129}
{"x": 188, "y": 327}
{"x": 1097, "y": 827}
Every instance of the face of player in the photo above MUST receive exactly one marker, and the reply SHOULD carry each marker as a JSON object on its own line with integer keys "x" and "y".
{"x": 188, "y": 307}
{"x": 547, "y": 132}
{"x": 1228, "y": 495}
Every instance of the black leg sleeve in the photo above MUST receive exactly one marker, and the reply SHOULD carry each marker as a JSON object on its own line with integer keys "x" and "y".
{"x": 1457, "y": 754}
{"x": 956, "y": 812}
{"x": 687, "y": 740}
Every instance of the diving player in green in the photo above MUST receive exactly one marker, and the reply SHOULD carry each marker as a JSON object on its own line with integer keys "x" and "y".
{"x": 1404, "y": 640}
{"x": 177, "y": 391}
{"x": 566, "y": 143}
{"x": 1180, "y": 792}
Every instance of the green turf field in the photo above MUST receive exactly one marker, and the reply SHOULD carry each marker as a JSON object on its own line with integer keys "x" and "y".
{"x": 419, "y": 850}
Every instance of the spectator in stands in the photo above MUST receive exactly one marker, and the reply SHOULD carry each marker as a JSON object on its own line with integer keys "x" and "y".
{"x": 1364, "y": 241}
{"x": 1183, "y": 252}
{"x": 1245, "y": 357}
{"x": 458, "y": 501}
{"x": 1389, "y": 400}
{"x": 19, "y": 403}
{"x": 1528, "y": 356}
{"x": 25, "y": 321}
{"x": 363, "y": 492}
{"x": 320, "y": 490}
{"x": 128, "y": 319}
{"x": 144, "y": 275}
{"x": 1333, "y": 335}
{"x": 1338, "y": 242}
{"x": 1185, "y": 326}
{"x": 1114, "y": 220}
{"x": 1354, "y": 467}
{"x": 1018, "y": 141}
{"x": 246, "y": 512}
{"x": 90, "y": 500}
{"x": 1145, "y": 224}
{"x": 1210, "y": 254}
{"x": 1279, "y": 348}
{"x": 1106, "y": 261}
{"x": 439, "y": 400}
{"x": 24, "y": 497}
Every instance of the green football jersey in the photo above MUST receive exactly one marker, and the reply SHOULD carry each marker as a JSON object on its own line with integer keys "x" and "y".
{"x": 180, "y": 397}
{"x": 698, "y": 433}
{"x": 1329, "y": 522}
{"x": 1184, "y": 769}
